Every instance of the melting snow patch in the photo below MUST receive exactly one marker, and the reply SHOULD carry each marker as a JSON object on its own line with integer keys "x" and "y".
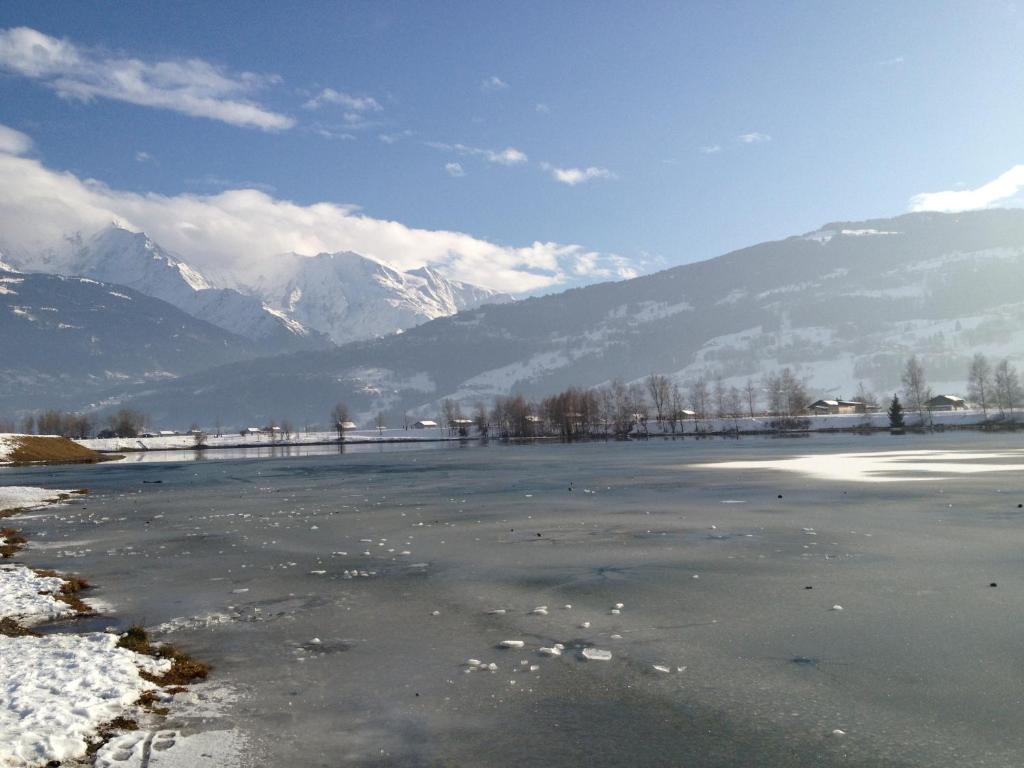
{"x": 596, "y": 654}
{"x": 14, "y": 496}
{"x": 27, "y": 597}
{"x": 57, "y": 690}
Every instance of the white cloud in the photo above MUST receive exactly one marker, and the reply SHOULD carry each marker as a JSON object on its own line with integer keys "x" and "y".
{"x": 331, "y": 96}
{"x": 454, "y": 169}
{"x": 394, "y": 138}
{"x": 574, "y": 176}
{"x": 238, "y": 232}
{"x": 711, "y": 149}
{"x": 507, "y": 156}
{"x": 542, "y": 108}
{"x": 493, "y": 84}
{"x": 190, "y": 86}
{"x": 142, "y": 157}
{"x": 14, "y": 142}
{"x": 754, "y": 137}
{"x": 1005, "y": 189}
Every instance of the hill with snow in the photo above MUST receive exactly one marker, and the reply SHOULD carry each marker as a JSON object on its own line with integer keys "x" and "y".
{"x": 65, "y": 340}
{"x": 844, "y": 304}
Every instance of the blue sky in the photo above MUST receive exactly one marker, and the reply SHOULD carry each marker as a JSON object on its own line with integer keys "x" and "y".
{"x": 687, "y": 129}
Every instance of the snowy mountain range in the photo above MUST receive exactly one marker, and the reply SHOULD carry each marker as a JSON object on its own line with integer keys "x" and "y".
{"x": 307, "y": 302}
{"x": 840, "y": 305}
{"x": 351, "y": 297}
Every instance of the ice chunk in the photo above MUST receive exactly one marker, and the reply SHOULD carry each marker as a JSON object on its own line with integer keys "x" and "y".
{"x": 511, "y": 644}
{"x": 596, "y": 654}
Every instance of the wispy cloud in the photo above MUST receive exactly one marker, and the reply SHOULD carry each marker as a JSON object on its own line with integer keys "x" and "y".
{"x": 239, "y": 232}
{"x": 507, "y": 156}
{"x": 189, "y": 86}
{"x": 14, "y": 142}
{"x": 454, "y": 169}
{"x": 1003, "y": 190}
{"x": 542, "y": 108}
{"x": 754, "y": 137}
{"x": 711, "y": 149}
{"x": 574, "y": 176}
{"x": 394, "y": 138}
{"x": 143, "y": 157}
{"x": 338, "y": 133}
{"x": 346, "y": 100}
{"x": 895, "y": 61}
{"x": 493, "y": 84}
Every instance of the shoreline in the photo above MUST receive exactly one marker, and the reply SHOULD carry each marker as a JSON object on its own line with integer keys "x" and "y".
{"x": 131, "y": 683}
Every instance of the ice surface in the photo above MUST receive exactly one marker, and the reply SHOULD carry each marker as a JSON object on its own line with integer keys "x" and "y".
{"x": 919, "y": 670}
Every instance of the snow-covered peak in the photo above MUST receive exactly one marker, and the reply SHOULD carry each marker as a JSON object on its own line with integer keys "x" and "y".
{"x": 350, "y": 296}
{"x": 116, "y": 255}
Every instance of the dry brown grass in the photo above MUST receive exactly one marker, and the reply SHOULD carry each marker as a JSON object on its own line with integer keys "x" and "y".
{"x": 10, "y": 628}
{"x": 32, "y": 448}
{"x": 184, "y": 669}
{"x": 68, "y": 593}
{"x": 13, "y": 541}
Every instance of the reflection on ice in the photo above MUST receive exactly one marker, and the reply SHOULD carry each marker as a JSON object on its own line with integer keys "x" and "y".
{"x": 884, "y": 466}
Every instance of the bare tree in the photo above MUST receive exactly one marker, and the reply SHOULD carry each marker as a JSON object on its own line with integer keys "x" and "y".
{"x": 718, "y": 395}
{"x": 660, "y": 391}
{"x": 1007, "y": 387}
{"x": 480, "y": 419}
{"x": 379, "y": 421}
{"x": 127, "y": 422}
{"x": 339, "y": 416}
{"x": 676, "y": 410}
{"x": 979, "y": 382}
{"x": 733, "y": 403}
{"x": 28, "y": 425}
{"x": 750, "y": 393}
{"x": 915, "y": 388}
{"x": 699, "y": 397}
{"x": 865, "y": 395}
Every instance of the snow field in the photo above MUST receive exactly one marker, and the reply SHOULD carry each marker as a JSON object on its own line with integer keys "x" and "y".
{"x": 57, "y": 689}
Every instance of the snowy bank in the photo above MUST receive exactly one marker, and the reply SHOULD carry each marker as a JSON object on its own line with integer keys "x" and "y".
{"x": 28, "y": 496}
{"x": 56, "y": 690}
{"x": 28, "y": 598}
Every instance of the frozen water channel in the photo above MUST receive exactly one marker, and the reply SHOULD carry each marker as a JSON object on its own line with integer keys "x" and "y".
{"x": 601, "y": 604}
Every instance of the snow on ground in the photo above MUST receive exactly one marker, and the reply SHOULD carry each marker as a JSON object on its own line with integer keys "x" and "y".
{"x": 263, "y": 440}
{"x": 171, "y": 749}
{"x": 27, "y": 597}
{"x": 15, "y": 496}
{"x": 57, "y": 689}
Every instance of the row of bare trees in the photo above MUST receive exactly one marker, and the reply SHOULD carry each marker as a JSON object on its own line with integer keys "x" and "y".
{"x": 123, "y": 423}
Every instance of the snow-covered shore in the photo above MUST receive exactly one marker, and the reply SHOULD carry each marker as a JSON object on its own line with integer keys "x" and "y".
{"x": 56, "y": 690}
{"x": 262, "y": 440}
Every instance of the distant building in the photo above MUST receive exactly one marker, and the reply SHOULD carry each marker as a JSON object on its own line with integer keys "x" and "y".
{"x": 346, "y": 425}
{"x": 425, "y": 424}
{"x": 534, "y": 419}
{"x": 946, "y": 403}
{"x": 253, "y": 430}
{"x": 462, "y": 422}
{"x": 167, "y": 433}
{"x": 821, "y": 407}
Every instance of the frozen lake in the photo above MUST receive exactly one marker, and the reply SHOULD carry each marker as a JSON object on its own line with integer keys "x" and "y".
{"x": 733, "y": 573}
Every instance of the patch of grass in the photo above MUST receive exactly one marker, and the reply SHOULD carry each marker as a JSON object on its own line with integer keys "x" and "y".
{"x": 32, "y": 448}
{"x": 148, "y": 699}
{"x": 184, "y": 669}
{"x": 69, "y": 590}
{"x": 13, "y": 541}
{"x": 10, "y": 628}
{"x": 12, "y": 511}
{"x": 109, "y": 730}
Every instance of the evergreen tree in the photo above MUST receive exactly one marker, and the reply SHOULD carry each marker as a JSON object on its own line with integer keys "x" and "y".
{"x": 896, "y": 413}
